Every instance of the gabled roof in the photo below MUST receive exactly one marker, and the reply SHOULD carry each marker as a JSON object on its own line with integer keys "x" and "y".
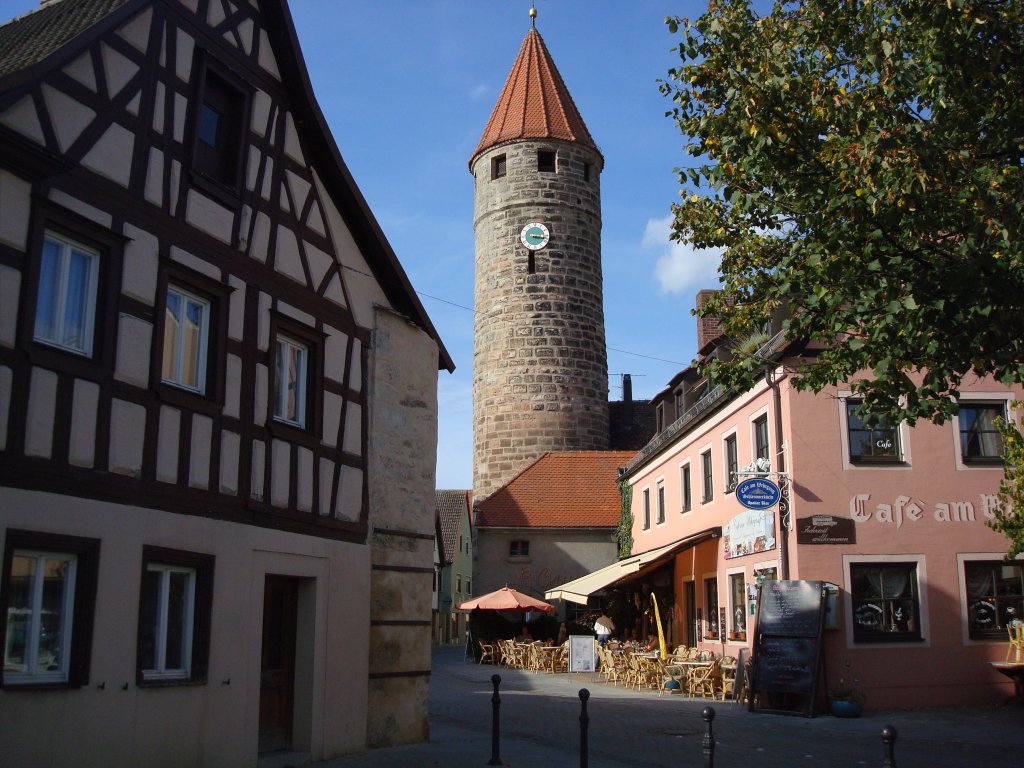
{"x": 534, "y": 104}
{"x": 33, "y": 36}
{"x": 565, "y": 489}
{"x": 451, "y": 507}
{"x": 58, "y": 30}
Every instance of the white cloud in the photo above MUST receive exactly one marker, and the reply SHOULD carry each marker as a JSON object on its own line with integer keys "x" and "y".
{"x": 478, "y": 92}
{"x": 680, "y": 268}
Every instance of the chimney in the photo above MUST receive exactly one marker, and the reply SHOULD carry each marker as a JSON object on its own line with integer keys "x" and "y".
{"x": 627, "y": 388}
{"x": 708, "y": 328}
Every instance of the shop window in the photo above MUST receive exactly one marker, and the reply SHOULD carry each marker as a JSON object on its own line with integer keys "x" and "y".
{"x": 878, "y": 442}
{"x": 761, "y": 438}
{"x": 175, "y": 602}
{"x": 738, "y": 614}
{"x": 731, "y": 464}
{"x": 66, "y": 298}
{"x": 980, "y": 441}
{"x": 686, "y": 488}
{"x": 886, "y": 605}
{"x": 498, "y": 167}
{"x": 519, "y": 548}
{"x": 711, "y": 607}
{"x": 707, "y": 488}
{"x": 49, "y": 592}
{"x": 995, "y": 597}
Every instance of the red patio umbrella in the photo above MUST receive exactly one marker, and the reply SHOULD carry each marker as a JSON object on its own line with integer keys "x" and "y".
{"x": 506, "y": 599}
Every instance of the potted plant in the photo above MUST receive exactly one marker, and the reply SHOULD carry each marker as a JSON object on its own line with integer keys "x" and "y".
{"x": 846, "y": 699}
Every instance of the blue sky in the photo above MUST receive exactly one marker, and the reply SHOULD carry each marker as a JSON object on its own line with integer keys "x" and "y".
{"x": 407, "y": 87}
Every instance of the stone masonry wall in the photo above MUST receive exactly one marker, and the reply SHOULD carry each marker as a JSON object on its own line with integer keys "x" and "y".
{"x": 540, "y": 371}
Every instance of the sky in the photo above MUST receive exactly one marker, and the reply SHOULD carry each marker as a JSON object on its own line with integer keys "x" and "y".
{"x": 407, "y": 87}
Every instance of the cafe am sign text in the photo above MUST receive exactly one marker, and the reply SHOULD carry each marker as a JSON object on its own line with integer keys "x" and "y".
{"x": 906, "y": 510}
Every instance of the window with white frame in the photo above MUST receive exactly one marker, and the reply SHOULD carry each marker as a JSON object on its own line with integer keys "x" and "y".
{"x": 761, "y": 449}
{"x": 870, "y": 441}
{"x": 711, "y": 607}
{"x": 661, "y": 503}
{"x": 707, "y": 491}
{"x": 40, "y": 602}
{"x": 885, "y": 602}
{"x": 686, "y": 487}
{"x": 66, "y": 299}
{"x": 166, "y": 618}
{"x": 738, "y": 604}
{"x": 646, "y": 497}
{"x": 995, "y": 597}
{"x": 291, "y": 369}
{"x": 732, "y": 465}
{"x": 175, "y": 609}
{"x": 980, "y": 440}
{"x": 186, "y": 336}
{"x": 519, "y": 548}
{"x": 48, "y": 590}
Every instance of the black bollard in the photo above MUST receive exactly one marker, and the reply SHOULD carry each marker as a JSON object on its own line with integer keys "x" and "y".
{"x": 708, "y": 713}
{"x": 888, "y": 742}
{"x": 495, "y": 728}
{"x": 584, "y": 725}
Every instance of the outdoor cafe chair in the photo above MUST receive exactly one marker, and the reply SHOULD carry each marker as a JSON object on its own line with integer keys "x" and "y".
{"x": 727, "y": 669}
{"x": 1016, "y": 633}
{"x": 700, "y": 681}
{"x": 487, "y": 651}
{"x": 671, "y": 673}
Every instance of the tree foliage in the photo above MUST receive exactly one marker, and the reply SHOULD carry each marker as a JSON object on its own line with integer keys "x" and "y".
{"x": 860, "y": 163}
{"x": 1009, "y": 519}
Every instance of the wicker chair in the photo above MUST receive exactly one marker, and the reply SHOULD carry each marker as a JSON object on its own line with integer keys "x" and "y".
{"x": 487, "y": 651}
{"x": 701, "y": 680}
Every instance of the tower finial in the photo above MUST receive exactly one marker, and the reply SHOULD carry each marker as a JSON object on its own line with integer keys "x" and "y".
{"x": 533, "y": 16}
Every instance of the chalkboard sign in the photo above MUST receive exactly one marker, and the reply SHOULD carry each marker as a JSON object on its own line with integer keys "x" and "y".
{"x": 790, "y": 608}
{"x": 786, "y": 664}
{"x": 788, "y": 645}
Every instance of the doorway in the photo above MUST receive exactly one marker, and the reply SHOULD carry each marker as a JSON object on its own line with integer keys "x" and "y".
{"x": 277, "y": 663}
{"x": 690, "y": 595}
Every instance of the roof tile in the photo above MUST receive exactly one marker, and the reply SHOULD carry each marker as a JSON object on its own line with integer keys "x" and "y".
{"x": 565, "y": 489}
{"x": 534, "y": 104}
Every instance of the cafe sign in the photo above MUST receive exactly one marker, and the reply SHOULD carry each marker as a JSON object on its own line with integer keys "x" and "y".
{"x": 749, "y": 532}
{"x": 758, "y": 493}
{"x": 825, "y": 529}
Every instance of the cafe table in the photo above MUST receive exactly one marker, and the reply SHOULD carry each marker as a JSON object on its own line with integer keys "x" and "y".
{"x": 1015, "y": 671}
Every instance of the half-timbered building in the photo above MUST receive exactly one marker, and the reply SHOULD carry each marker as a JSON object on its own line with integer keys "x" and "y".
{"x": 217, "y": 403}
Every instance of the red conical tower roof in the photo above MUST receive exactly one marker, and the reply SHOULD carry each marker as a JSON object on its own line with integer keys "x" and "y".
{"x": 534, "y": 104}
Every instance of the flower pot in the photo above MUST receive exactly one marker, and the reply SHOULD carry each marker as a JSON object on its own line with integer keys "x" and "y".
{"x": 846, "y": 708}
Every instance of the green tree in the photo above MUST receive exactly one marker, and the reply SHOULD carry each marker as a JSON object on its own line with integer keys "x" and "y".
{"x": 1009, "y": 519}
{"x": 860, "y": 163}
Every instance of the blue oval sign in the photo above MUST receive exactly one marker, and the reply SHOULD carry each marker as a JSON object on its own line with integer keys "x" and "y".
{"x": 758, "y": 493}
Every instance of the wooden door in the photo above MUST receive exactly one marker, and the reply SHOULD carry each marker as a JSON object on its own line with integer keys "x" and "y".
{"x": 277, "y": 667}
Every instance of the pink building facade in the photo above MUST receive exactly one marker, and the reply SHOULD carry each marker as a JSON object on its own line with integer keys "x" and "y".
{"x": 895, "y": 518}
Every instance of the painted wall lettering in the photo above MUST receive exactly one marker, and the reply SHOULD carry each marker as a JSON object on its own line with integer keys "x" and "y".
{"x": 904, "y": 509}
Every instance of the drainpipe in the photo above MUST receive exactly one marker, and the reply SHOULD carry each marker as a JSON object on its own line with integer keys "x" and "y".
{"x": 773, "y": 383}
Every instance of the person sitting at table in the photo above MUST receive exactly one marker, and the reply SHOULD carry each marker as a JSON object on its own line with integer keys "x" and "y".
{"x": 652, "y": 643}
{"x": 563, "y": 634}
{"x": 524, "y": 635}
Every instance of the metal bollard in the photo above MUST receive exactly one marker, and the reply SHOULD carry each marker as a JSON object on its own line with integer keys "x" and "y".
{"x": 495, "y": 727}
{"x": 708, "y": 713}
{"x": 584, "y": 726}
{"x": 888, "y": 742}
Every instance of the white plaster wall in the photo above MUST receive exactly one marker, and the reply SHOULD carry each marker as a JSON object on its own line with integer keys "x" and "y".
{"x": 216, "y": 723}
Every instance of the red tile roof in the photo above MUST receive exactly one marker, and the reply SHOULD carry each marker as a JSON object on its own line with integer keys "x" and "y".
{"x": 565, "y": 489}
{"x": 534, "y": 104}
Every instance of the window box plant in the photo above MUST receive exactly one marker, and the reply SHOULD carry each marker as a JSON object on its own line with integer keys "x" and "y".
{"x": 846, "y": 699}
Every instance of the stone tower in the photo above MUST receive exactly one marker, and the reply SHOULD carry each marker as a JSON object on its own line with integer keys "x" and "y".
{"x": 540, "y": 370}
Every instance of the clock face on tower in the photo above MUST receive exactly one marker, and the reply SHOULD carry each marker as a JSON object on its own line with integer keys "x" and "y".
{"x": 534, "y": 236}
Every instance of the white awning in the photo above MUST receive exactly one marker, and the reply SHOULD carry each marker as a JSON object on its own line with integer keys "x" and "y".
{"x": 578, "y": 590}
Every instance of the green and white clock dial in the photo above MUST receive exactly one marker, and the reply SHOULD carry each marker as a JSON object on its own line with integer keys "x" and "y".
{"x": 534, "y": 236}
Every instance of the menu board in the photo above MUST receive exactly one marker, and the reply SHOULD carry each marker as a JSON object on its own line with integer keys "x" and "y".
{"x": 582, "y": 653}
{"x": 788, "y": 645}
{"x": 790, "y": 608}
